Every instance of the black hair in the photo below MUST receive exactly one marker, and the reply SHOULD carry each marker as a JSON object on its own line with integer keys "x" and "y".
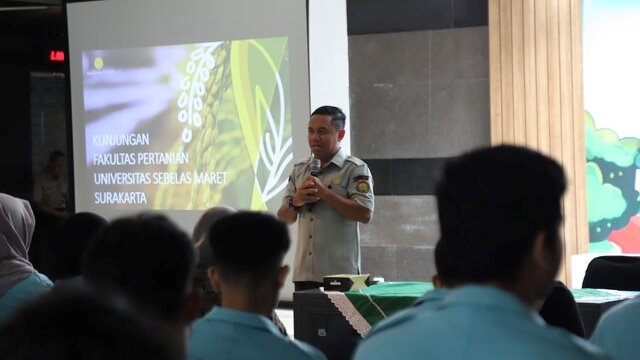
{"x": 492, "y": 203}
{"x": 148, "y": 258}
{"x": 201, "y": 280}
{"x": 71, "y": 241}
{"x": 338, "y": 118}
{"x": 74, "y": 323}
{"x": 54, "y": 155}
{"x": 248, "y": 247}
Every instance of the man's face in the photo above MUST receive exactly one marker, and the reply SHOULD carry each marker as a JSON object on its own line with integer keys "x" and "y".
{"x": 324, "y": 138}
{"x": 58, "y": 167}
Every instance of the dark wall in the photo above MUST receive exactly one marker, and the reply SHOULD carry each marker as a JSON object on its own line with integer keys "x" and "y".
{"x": 419, "y": 88}
{"x": 26, "y": 37}
{"x": 387, "y": 16}
{"x": 15, "y": 144}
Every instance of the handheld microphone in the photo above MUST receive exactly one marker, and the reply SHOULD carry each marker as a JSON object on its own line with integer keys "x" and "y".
{"x": 315, "y": 167}
{"x": 315, "y": 171}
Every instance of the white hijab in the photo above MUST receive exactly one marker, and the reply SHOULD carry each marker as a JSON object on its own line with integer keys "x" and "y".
{"x": 16, "y": 228}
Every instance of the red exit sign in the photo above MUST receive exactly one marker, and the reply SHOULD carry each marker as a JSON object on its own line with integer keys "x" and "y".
{"x": 56, "y": 56}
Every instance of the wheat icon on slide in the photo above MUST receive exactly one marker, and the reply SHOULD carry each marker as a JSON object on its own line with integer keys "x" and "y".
{"x": 193, "y": 88}
{"x": 275, "y": 151}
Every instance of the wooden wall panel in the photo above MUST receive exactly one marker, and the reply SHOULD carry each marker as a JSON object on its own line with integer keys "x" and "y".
{"x": 535, "y": 65}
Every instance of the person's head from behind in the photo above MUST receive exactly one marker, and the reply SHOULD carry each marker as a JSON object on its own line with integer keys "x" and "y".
{"x": 500, "y": 212}
{"x": 74, "y": 323}
{"x": 248, "y": 249}
{"x": 149, "y": 259}
{"x": 72, "y": 240}
{"x": 326, "y": 131}
{"x": 57, "y": 165}
{"x": 201, "y": 230}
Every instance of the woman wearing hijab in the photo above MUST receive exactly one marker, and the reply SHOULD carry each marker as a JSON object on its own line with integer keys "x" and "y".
{"x": 20, "y": 283}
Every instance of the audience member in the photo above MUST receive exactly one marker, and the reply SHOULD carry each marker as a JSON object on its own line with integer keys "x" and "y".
{"x": 200, "y": 230}
{"x": 50, "y": 191}
{"x": 500, "y": 212}
{"x": 151, "y": 261}
{"x": 20, "y": 283}
{"x": 247, "y": 253}
{"x": 50, "y": 207}
{"x": 205, "y": 260}
{"x": 69, "y": 245}
{"x": 74, "y": 323}
{"x": 445, "y": 280}
{"x": 618, "y": 329}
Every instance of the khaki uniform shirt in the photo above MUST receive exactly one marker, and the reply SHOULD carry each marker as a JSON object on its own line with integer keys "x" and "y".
{"x": 51, "y": 192}
{"x": 328, "y": 242}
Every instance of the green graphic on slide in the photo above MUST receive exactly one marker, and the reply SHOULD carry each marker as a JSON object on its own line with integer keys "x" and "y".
{"x": 189, "y": 126}
{"x": 243, "y": 124}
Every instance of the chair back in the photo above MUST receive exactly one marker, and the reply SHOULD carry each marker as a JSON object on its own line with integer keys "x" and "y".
{"x": 614, "y": 272}
{"x": 560, "y": 310}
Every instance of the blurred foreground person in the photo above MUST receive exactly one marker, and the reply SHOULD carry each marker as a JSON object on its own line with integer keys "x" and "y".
{"x": 500, "y": 213}
{"x": 150, "y": 260}
{"x": 74, "y": 323}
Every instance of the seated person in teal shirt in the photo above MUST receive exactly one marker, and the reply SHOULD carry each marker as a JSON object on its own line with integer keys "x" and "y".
{"x": 20, "y": 283}
{"x": 618, "y": 329}
{"x": 500, "y": 212}
{"x": 247, "y": 251}
{"x": 151, "y": 261}
{"x": 443, "y": 281}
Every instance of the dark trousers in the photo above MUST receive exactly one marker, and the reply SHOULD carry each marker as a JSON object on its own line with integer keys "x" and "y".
{"x": 306, "y": 285}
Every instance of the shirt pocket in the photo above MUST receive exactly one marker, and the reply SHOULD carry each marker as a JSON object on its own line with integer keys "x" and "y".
{"x": 340, "y": 190}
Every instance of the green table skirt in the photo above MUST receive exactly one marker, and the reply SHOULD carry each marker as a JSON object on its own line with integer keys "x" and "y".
{"x": 379, "y": 301}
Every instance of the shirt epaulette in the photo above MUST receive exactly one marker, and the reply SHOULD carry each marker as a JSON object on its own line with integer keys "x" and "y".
{"x": 301, "y": 162}
{"x": 355, "y": 160}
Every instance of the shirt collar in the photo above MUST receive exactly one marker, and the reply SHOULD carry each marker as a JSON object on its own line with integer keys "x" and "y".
{"x": 487, "y": 296}
{"x": 339, "y": 158}
{"x": 432, "y": 297}
{"x": 243, "y": 318}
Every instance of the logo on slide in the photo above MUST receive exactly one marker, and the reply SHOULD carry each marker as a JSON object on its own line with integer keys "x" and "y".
{"x": 98, "y": 63}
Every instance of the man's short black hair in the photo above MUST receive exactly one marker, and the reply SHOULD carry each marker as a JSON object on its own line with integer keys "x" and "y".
{"x": 492, "y": 203}
{"x": 54, "y": 155}
{"x": 70, "y": 243}
{"x": 248, "y": 247}
{"x": 74, "y": 323}
{"x": 148, "y": 258}
{"x": 338, "y": 118}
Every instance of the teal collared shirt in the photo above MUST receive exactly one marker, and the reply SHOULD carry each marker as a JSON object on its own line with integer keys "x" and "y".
{"x": 24, "y": 292}
{"x": 618, "y": 329}
{"x": 429, "y": 302}
{"x": 475, "y": 322}
{"x": 230, "y": 334}
{"x": 328, "y": 242}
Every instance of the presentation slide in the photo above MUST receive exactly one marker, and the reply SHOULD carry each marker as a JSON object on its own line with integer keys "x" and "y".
{"x": 181, "y": 107}
{"x": 190, "y": 126}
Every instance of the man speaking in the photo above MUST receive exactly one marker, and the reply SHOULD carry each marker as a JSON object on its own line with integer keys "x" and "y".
{"x": 329, "y": 193}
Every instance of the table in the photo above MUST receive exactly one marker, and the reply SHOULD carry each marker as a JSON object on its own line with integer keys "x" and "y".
{"x": 592, "y": 303}
{"x": 327, "y": 321}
